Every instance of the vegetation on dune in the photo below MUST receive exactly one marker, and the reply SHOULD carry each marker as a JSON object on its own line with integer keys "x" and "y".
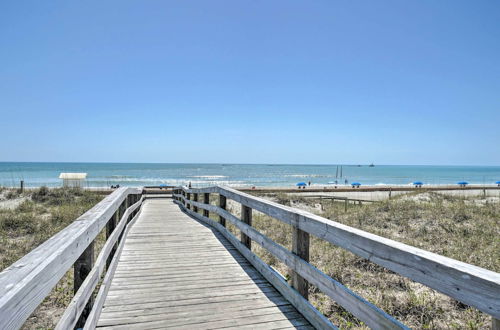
{"x": 41, "y": 214}
{"x": 464, "y": 229}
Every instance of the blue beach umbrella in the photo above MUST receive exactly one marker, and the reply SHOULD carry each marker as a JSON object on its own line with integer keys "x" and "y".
{"x": 355, "y": 184}
{"x": 418, "y": 183}
{"x": 301, "y": 184}
{"x": 498, "y": 183}
{"x": 462, "y": 183}
{"x": 162, "y": 185}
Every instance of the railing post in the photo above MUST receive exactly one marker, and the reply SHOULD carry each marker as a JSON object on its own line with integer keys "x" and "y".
{"x": 206, "y": 200}
{"x": 82, "y": 268}
{"x": 246, "y": 217}
{"x": 188, "y": 197}
{"x": 126, "y": 204}
{"x": 195, "y": 198}
{"x": 300, "y": 247}
{"x": 495, "y": 323}
{"x": 222, "y": 205}
{"x": 110, "y": 227}
{"x": 121, "y": 211}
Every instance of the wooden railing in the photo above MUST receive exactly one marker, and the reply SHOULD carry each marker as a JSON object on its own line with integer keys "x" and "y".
{"x": 473, "y": 286}
{"x": 25, "y": 284}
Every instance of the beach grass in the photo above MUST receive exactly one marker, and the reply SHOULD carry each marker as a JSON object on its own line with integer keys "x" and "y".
{"x": 466, "y": 229}
{"x": 36, "y": 216}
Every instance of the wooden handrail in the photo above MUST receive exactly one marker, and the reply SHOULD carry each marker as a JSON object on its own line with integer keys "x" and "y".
{"x": 75, "y": 308}
{"x": 91, "y": 322}
{"x": 472, "y": 285}
{"x": 25, "y": 284}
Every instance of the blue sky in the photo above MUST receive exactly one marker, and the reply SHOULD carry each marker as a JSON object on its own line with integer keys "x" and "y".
{"x": 389, "y": 82}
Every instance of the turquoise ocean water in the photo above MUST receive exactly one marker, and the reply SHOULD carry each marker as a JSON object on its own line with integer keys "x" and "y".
{"x": 125, "y": 174}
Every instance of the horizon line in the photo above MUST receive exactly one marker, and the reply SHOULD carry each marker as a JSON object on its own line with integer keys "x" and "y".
{"x": 233, "y": 163}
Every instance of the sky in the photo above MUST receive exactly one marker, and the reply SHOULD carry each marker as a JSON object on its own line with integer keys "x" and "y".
{"x": 316, "y": 82}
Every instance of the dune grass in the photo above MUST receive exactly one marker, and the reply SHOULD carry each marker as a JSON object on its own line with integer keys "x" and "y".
{"x": 41, "y": 214}
{"x": 464, "y": 229}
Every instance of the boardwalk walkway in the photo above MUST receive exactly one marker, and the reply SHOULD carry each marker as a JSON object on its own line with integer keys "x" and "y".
{"x": 177, "y": 272}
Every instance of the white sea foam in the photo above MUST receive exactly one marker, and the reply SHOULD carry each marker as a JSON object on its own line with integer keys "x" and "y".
{"x": 208, "y": 176}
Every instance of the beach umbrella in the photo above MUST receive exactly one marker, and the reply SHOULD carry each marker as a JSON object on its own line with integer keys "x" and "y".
{"x": 355, "y": 184}
{"x": 418, "y": 183}
{"x": 498, "y": 183}
{"x": 301, "y": 184}
{"x": 163, "y": 185}
{"x": 462, "y": 183}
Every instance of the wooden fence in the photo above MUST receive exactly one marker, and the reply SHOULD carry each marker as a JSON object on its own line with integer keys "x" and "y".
{"x": 473, "y": 286}
{"x": 25, "y": 284}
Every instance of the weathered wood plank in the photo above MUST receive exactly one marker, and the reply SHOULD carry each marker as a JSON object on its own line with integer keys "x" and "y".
{"x": 201, "y": 283}
{"x": 220, "y": 320}
{"x": 193, "y": 310}
{"x": 201, "y": 317}
{"x": 201, "y": 302}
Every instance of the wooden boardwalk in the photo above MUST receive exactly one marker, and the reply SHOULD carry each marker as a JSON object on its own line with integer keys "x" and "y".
{"x": 175, "y": 272}
{"x": 167, "y": 264}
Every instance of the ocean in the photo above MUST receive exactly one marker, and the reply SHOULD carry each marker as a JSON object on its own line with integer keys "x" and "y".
{"x": 240, "y": 175}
